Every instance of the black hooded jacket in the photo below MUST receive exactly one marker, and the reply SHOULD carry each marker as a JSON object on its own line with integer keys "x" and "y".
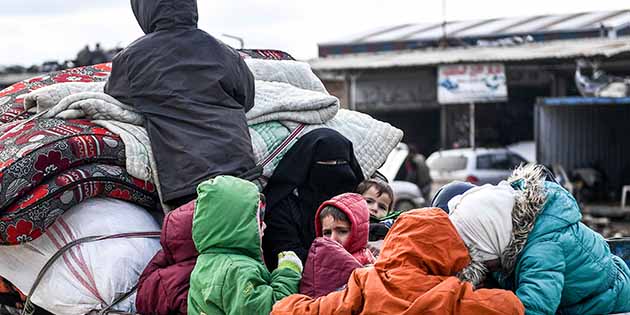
{"x": 193, "y": 91}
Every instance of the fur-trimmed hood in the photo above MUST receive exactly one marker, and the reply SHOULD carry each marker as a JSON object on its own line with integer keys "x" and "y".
{"x": 528, "y": 181}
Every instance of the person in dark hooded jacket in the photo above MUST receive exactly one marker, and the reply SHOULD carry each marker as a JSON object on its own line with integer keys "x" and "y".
{"x": 193, "y": 91}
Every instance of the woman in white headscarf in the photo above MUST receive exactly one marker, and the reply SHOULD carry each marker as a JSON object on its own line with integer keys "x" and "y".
{"x": 529, "y": 230}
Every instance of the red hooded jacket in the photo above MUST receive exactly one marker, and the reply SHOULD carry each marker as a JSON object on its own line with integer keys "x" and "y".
{"x": 163, "y": 286}
{"x": 327, "y": 268}
{"x": 355, "y": 207}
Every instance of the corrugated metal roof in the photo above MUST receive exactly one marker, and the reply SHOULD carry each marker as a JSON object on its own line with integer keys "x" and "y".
{"x": 558, "y": 49}
{"x": 575, "y": 22}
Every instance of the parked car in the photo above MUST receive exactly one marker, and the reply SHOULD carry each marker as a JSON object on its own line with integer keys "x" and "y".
{"x": 407, "y": 195}
{"x": 478, "y": 166}
{"x": 526, "y": 149}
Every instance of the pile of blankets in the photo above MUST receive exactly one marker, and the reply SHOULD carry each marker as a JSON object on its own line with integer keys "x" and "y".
{"x": 65, "y": 144}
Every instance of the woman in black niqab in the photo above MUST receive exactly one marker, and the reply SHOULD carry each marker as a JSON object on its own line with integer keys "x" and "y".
{"x": 318, "y": 167}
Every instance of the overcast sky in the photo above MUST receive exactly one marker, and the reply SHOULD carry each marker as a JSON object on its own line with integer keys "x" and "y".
{"x": 34, "y": 31}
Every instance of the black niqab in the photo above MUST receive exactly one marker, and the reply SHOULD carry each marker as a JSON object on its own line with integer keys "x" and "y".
{"x": 315, "y": 183}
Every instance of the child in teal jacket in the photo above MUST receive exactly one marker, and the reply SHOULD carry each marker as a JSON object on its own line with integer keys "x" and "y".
{"x": 230, "y": 276}
{"x": 553, "y": 262}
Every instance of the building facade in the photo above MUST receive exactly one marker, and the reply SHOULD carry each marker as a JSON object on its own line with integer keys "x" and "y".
{"x": 392, "y": 73}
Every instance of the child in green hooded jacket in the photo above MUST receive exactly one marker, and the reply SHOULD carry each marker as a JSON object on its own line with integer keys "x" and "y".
{"x": 230, "y": 276}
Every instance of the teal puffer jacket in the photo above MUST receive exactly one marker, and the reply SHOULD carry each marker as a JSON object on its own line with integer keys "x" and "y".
{"x": 567, "y": 268}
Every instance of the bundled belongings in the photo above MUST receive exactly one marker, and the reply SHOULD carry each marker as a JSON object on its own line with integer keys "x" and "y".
{"x": 50, "y": 165}
{"x": 88, "y": 276}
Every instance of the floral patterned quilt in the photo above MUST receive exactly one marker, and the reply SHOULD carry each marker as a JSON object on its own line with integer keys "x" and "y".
{"x": 12, "y": 98}
{"x": 34, "y": 151}
{"x": 28, "y": 217}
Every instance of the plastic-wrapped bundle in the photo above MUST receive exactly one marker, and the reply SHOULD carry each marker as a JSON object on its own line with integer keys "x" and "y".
{"x": 89, "y": 276}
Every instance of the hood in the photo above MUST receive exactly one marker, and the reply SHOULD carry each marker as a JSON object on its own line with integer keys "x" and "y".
{"x": 225, "y": 218}
{"x": 157, "y": 15}
{"x": 355, "y": 207}
{"x": 561, "y": 208}
{"x": 176, "y": 238}
{"x": 447, "y": 192}
{"x": 529, "y": 183}
{"x": 483, "y": 218}
{"x": 423, "y": 241}
{"x": 328, "y": 267}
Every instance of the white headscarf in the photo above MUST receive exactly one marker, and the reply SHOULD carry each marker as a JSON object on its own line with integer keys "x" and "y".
{"x": 483, "y": 218}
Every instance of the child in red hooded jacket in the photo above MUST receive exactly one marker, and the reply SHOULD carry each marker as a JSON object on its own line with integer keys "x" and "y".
{"x": 342, "y": 226}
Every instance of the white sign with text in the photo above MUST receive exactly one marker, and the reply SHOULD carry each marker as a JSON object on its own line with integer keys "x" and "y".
{"x": 466, "y": 83}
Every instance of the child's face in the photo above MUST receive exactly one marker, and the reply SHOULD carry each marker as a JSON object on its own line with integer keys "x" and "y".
{"x": 337, "y": 230}
{"x": 378, "y": 205}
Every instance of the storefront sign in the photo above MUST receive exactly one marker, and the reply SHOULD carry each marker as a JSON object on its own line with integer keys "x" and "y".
{"x": 471, "y": 83}
{"x": 396, "y": 91}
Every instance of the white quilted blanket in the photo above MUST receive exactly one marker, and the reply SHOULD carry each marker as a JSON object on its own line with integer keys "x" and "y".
{"x": 49, "y": 96}
{"x": 372, "y": 140}
{"x": 289, "y": 91}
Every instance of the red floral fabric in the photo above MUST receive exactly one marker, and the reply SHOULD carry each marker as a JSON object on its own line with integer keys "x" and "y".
{"x": 39, "y": 149}
{"x": 12, "y": 97}
{"x": 28, "y": 217}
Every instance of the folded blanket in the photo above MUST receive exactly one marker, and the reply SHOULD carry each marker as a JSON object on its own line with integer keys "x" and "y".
{"x": 285, "y": 90}
{"x": 295, "y": 73}
{"x": 282, "y": 101}
{"x": 372, "y": 139}
{"x": 80, "y": 100}
{"x": 49, "y": 96}
{"x": 12, "y": 97}
{"x": 139, "y": 161}
{"x": 290, "y": 91}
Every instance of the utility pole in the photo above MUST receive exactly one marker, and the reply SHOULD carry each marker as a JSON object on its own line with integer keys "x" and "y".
{"x": 444, "y": 41}
{"x": 239, "y": 39}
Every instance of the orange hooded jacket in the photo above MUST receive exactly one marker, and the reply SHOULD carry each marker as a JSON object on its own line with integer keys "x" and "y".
{"x": 415, "y": 274}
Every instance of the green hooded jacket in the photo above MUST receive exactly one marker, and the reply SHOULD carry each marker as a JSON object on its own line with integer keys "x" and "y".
{"x": 230, "y": 276}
